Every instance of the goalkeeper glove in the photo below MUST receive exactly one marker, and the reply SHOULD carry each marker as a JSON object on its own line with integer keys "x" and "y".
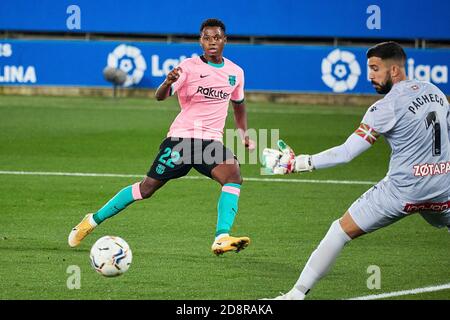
{"x": 285, "y": 162}
{"x": 270, "y": 159}
{"x": 292, "y": 163}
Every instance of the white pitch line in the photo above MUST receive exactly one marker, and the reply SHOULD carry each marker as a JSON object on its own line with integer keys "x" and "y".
{"x": 404, "y": 292}
{"x": 116, "y": 175}
{"x": 310, "y": 181}
{"x": 70, "y": 174}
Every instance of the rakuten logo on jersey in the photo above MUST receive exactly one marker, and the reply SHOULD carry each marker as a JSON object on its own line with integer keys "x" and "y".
{"x": 210, "y": 93}
{"x": 431, "y": 169}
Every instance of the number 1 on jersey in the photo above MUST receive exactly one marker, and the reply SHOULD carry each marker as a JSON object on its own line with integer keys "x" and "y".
{"x": 433, "y": 120}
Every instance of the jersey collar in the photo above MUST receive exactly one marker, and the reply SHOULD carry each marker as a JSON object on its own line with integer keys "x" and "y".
{"x": 215, "y": 65}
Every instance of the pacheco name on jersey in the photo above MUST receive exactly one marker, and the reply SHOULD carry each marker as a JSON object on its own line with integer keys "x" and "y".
{"x": 424, "y": 99}
{"x": 431, "y": 169}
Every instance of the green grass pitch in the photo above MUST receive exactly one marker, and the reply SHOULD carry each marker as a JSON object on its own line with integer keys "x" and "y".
{"x": 171, "y": 233}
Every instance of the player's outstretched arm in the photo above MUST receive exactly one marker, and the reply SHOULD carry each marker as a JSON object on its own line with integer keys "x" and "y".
{"x": 285, "y": 162}
{"x": 163, "y": 90}
{"x": 346, "y": 152}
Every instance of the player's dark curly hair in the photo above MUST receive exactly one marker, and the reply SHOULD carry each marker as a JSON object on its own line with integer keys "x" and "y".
{"x": 387, "y": 50}
{"x": 212, "y": 23}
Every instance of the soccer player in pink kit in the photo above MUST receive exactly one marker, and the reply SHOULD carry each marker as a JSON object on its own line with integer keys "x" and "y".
{"x": 204, "y": 86}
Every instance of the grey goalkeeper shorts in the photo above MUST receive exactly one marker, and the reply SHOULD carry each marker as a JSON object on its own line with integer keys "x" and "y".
{"x": 380, "y": 206}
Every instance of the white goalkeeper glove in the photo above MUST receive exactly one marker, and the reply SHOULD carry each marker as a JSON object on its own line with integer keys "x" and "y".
{"x": 270, "y": 159}
{"x": 285, "y": 161}
{"x": 279, "y": 162}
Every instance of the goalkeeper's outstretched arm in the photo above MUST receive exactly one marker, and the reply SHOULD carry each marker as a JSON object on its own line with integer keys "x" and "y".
{"x": 285, "y": 161}
{"x": 351, "y": 148}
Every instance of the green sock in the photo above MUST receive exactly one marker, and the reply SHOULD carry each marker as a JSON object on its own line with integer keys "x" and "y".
{"x": 227, "y": 207}
{"x": 120, "y": 201}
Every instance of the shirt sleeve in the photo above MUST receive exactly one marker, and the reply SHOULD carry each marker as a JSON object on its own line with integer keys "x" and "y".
{"x": 184, "y": 70}
{"x": 380, "y": 117}
{"x": 344, "y": 153}
{"x": 238, "y": 94}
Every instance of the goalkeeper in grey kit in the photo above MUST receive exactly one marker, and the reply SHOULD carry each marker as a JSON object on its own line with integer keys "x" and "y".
{"x": 414, "y": 118}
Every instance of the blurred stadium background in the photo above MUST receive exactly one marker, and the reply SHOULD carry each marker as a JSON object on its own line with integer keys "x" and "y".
{"x": 66, "y": 146}
{"x": 285, "y": 47}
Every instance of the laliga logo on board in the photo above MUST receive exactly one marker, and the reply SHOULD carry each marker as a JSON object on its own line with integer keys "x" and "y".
{"x": 340, "y": 70}
{"x": 424, "y": 72}
{"x": 130, "y": 60}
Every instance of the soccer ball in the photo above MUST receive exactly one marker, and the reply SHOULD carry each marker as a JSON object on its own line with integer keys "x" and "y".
{"x": 111, "y": 256}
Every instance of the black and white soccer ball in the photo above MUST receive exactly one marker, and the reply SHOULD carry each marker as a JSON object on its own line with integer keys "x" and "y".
{"x": 111, "y": 256}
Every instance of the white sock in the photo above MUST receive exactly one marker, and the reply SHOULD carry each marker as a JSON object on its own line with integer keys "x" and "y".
{"x": 221, "y": 235}
{"x": 92, "y": 221}
{"x": 322, "y": 258}
{"x": 296, "y": 294}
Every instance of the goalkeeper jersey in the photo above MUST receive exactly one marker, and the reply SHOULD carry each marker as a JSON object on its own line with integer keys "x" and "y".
{"x": 414, "y": 118}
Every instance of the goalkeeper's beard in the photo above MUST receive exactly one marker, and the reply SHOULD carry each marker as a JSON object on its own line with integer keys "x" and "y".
{"x": 383, "y": 88}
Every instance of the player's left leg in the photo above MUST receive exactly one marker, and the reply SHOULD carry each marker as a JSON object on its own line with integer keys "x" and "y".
{"x": 322, "y": 259}
{"x": 375, "y": 209}
{"x": 319, "y": 263}
{"x": 220, "y": 164}
{"x": 229, "y": 177}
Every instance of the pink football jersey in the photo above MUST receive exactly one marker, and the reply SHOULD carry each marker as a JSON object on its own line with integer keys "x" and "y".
{"x": 204, "y": 91}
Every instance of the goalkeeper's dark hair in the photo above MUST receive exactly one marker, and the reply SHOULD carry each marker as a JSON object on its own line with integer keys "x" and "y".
{"x": 212, "y": 23}
{"x": 388, "y": 50}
